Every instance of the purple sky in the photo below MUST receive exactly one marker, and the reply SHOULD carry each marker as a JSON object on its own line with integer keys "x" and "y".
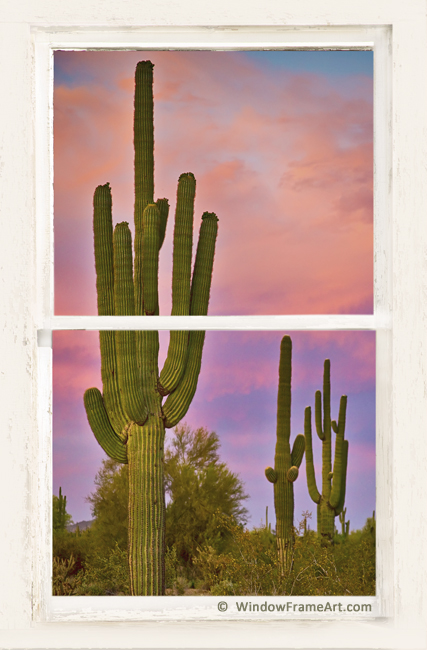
{"x": 237, "y": 398}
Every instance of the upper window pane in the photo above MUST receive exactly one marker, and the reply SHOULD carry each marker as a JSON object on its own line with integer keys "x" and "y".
{"x": 281, "y": 145}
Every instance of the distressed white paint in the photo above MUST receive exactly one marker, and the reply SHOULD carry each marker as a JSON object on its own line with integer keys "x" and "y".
{"x": 278, "y": 323}
{"x": 18, "y": 346}
{"x": 164, "y": 608}
{"x": 26, "y": 290}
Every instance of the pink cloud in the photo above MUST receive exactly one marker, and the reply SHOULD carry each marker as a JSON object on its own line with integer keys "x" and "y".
{"x": 286, "y": 166}
{"x": 76, "y": 364}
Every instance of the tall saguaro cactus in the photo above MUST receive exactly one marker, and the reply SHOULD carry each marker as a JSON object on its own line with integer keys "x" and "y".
{"x": 129, "y": 418}
{"x": 330, "y": 502}
{"x": 286, "y": 462}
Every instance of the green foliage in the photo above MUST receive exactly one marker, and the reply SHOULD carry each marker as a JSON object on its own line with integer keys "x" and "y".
{"x": 60, "y": 516}
{"x": 109, "y": 504}
{"x": 286, "y": 462}
{"x": 171, "y": 567}
{"x": 78, "y": 545}
{"x": 200, "y": 488}
{"x": 345, "y": 569}
{"x": 251, "y": 566}
{"x": 106, "y": 575}
{"x": 79, "y": 567}
{"x": 247, "y": 565}
{"x": 65, "y": 580}
{"x": 129, "y": 418}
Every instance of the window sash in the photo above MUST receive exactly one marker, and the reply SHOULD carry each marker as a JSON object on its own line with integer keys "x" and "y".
{"x": 373, "y": 38}
{"x": 61, "y": 609}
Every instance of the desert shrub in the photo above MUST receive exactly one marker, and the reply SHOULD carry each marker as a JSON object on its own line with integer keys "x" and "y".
{"x": 345, "y": 569}
{"x": 65, "y": 581}
{"x": 223, "y": 588}
{"x": 106, "y": 575}
{"x": 199, "y": 486}
{"x": 171, "y": 567}
{"x": 78, "y": 544}
{"x": 250, "y": 566}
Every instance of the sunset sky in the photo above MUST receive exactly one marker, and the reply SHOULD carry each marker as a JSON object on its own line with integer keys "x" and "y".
{"x": 281, "y": 147}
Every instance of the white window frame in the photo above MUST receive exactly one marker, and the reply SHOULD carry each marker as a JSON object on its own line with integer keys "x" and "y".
{"x": 399, "y": 317}
{"x": 378, "y": 39}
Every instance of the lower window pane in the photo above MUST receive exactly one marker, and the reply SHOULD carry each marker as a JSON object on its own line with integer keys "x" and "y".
{"x": 229, "y": 526}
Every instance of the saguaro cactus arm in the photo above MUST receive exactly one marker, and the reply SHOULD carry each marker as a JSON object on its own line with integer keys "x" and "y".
{"x": 318, "y": 414}
{"x": 178, "y": 402}
{"x": 311, "y": 476}
{"x": 270, "y": 475}
{"x": 292, "y": 474}
{"x": 101, "y": 427}
{"x": 203, "y": 265}
{"x": 150, "y": 258}
{"x": 128, "y": 376}
{"x": 183, "y": 245}
{"x": 298, "y": 450}
{"x": 341, "y": 451}
{"x": 341, "y": 500}
{"x": 163, "y": 206}
{"x": 104, "y": 266}
{"x": 181, "y": 282}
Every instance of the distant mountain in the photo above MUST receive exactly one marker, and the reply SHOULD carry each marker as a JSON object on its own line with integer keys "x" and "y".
{"x": 81, "y": 524}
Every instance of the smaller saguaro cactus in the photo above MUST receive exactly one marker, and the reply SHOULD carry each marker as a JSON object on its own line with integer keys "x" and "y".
{"x": 305, "y": 527}
{"x": 267, "y": 525}
{"x": 286, "y": 462}
{"x": 345, "y": 525}
{"x": 330, "y": 502}
{"x": 62, "y": 509}
{"x": 60, "y": 516}
{"x": 371, "y": 523}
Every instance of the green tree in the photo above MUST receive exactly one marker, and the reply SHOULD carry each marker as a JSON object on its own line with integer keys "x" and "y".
{"x": 109, "y": 504}
{"x": 201, "y": 489}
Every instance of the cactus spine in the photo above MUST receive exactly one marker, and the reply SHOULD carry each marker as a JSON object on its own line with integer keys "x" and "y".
{"x": 345, "y": 525}
{"x": 129, "y": 418}
{"x": 286, "y": 462}
{"x": 330, "y": 501}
